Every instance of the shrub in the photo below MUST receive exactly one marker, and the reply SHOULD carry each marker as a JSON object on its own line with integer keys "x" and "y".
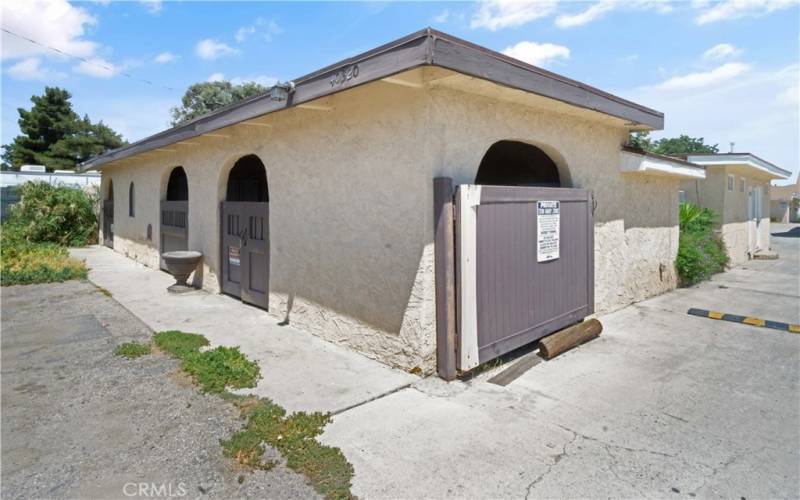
{"x": 701, "y": 253}
{"x": 23, "y": 263}
{"x": 53, "y": 214}
{"x": 132, "y": 350}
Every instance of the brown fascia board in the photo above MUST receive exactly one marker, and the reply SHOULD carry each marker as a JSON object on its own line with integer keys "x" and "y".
{"x": 427, "y": 47}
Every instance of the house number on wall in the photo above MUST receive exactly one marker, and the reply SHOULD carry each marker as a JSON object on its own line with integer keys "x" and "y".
{"x": 340, "y": 77}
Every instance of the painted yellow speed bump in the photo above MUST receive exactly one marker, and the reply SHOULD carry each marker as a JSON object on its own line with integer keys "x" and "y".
{"x": 747, "y": 320}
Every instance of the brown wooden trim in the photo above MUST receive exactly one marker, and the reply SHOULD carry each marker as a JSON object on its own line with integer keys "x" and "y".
{"x": 444, "y": 262}
{"x": 424, "y": 48}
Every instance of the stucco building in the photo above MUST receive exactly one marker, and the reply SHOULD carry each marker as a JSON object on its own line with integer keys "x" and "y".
{"x": 785, "y": 202}
{"x": 737, "y": 188}
{"x": 339, "y": 166}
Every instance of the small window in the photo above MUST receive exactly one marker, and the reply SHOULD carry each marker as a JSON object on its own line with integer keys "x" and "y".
{"x": 682, "y": 196}
{"x": 741, "y": 185}
{"x": 730, "y": 182}
{"x": 132, "y": 201}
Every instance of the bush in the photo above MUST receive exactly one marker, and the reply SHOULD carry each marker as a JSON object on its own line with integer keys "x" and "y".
{"x": 52, "y": 214}
{"x": 701, "y": 253}
{"x": 23, "y": 263}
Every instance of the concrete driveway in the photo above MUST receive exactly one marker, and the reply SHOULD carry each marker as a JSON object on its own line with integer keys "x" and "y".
{"x": 661, "y": 405}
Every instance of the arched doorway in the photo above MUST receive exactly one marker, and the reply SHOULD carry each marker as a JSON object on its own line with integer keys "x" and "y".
{"x": 513, "y": 163}
{"x": 108, "y": 216}
{"x": 175, "y": 214}
{"x": 245, "y": 232}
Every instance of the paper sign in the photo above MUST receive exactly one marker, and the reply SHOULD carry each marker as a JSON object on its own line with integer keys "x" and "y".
{"x": 233, "y": 256}
{"x": 548, "y": 224}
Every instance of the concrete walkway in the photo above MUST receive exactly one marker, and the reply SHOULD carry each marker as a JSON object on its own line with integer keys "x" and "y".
{"x": 299, "y": 371}
{"x": 662, "y": 404}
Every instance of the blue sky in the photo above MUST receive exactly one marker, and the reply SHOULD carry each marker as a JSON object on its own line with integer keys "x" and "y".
{"x": 726, "y": 70}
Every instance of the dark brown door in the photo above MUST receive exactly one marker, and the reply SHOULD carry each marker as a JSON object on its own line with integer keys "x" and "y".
{"x": 174, "y": 227}
{"x": 108, "y": 223}
{"x": 245, "y": 251}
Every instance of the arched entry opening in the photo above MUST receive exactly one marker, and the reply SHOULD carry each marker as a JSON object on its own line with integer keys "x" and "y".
{"x": 513, "y": 163}
{"x": 245, "y": 232}
{"x": 108, "y": 216}
{"x": 175, "y": 214}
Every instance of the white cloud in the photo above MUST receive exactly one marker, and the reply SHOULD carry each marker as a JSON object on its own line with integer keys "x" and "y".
{"x": 31, "y": 69}
{"x": 265, "y": 80}
{"x": 538, "y": 54}
{"x": 497, "y": 14}
{"x": 754, "y": 110}
{"x": 211, "y": 49}
{"x": 442, "y": 17}
{"x": 267, "y": 28}
{"x": 153, "y": 6}
{"x": 594, "y": 12}
{"x": 216, "y": 77}
{"x": 721, "y": 51}
{"x": 55, "y": 23}
{"x": 165, "y": 57}
{"x": 98, "y": 67}
{"x": 705, "y": 79}
{"x": 735, "y": 9}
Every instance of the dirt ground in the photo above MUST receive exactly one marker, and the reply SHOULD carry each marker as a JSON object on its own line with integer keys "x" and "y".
{"x": 78, "y": 421}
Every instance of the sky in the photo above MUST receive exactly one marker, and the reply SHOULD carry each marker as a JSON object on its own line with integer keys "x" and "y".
{"x": 727, "y": 71}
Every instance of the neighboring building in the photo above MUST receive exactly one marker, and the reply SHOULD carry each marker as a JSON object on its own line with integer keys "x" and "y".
{"x": 334, "y": 175}
{"x": 737, "y": 188}
{"x": 785, "y": 202}
{"x": 9, "y": 180}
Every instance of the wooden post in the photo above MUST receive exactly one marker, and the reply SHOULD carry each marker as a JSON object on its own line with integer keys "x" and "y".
{"x": 564, "y": 340}
{"x": 444, "y": 262}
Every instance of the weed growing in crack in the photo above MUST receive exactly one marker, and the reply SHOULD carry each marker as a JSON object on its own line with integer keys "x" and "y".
{"x": 132, "y": 350}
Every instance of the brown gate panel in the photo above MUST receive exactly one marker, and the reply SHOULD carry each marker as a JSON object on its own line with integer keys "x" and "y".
{"x": 245, "y": 251}
{"x": 174, "y": 227}
{"x": 515, "y": 298}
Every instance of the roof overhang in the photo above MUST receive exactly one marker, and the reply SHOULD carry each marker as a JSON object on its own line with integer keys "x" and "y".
{"x": 423, "y": 48}
{"x": 634, "y": 161}
{"x": 746, "y": 160}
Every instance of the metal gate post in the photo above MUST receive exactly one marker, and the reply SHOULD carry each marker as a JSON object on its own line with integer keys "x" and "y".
{"x": 444, "y": 264}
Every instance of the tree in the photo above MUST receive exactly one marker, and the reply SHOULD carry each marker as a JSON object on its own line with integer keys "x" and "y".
{"x": 205, "y": 97}
{"x": 55, "y": 136}
{"x": 683, "y": 144}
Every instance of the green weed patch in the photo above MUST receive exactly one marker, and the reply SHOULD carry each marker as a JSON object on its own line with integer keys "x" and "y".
{"x": 24, "y": 263}
{"x": 294, "y": 437}
{"x": 132, "y": 350}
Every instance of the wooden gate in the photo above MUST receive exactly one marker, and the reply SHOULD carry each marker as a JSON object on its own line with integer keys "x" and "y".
{"x": 524, "y": 266}
{"x": 174, "y": 227}
{"x": 108, "y": 223}
{"x": 245, "y": 251}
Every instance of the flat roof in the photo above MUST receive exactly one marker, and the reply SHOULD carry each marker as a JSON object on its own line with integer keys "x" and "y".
{"x": 426, "y": 47}
{"x": 745, "y": 159}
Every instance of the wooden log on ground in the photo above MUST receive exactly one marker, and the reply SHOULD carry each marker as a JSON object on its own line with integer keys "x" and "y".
{"x": 572, "y": 336}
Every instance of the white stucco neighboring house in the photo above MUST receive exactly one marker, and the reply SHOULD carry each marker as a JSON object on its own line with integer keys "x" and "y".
{"x": 336, "y": 169}
{"x": 737, "y": 188}
{"x": 785, "y": 202}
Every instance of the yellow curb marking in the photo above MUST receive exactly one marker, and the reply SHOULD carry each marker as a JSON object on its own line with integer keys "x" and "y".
{"x": 715, "y": 315}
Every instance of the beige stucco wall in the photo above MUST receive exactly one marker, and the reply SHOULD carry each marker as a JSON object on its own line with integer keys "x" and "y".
{"x": 351, "y": 206}
{"x": 741, "y": 235}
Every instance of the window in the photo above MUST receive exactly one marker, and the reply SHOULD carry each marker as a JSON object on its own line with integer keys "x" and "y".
{"x": 730, "y": 182}
{"x": 741, "y": 184}
{"x": 132, "y": 201}
{"x": 682, "y": 196}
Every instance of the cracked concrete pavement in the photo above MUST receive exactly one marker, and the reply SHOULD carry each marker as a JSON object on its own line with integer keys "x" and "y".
{"x": 662, "y": 404}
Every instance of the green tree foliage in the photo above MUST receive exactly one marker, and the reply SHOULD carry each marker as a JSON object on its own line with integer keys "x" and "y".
{"x": 55, "y": 136}
{"x": 673, "y": 146}
{"x": 701, "y": 253}
{"x": 205, "y": 97}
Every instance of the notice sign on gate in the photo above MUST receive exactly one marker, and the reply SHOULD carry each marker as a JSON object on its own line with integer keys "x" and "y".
{"x": 548, "y": 222}
{"x": 233, "y": 256}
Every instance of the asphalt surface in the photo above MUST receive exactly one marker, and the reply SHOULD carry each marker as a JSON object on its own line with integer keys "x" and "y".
{"x": 78, "y": 421}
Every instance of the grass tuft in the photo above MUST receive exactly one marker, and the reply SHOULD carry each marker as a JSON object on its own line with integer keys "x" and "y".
{"x": 24, "y": 263}
{"x": 294, "y": 437}
{"x": 213, "y": 370}
{"x": 104, "y": 291}
{"x": 132, "y": 350}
